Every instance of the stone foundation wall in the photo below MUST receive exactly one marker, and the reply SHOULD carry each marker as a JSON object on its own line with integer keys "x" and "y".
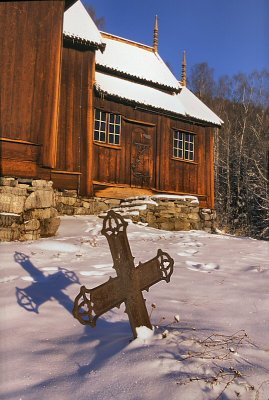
{"x": 68, "y": 203}
{"x": 162, "y": 213}
{"x": 181, "y": 214}
{"x": 30, "y": 209}
{"x": 27, "y": 209}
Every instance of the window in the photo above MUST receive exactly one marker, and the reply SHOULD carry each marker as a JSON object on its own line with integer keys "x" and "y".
{"x": 107, "y": 127}
{"x": 183, "y": 145}
{"x": 100, "y": 126}
{"x": 114, "y": 126}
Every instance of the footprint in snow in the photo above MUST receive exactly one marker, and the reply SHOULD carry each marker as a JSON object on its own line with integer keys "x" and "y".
{"x": 9, "y": 278}
{"x": 92, "y": 273}
{"x": 187, "y": 252}
{"x": 202, "y": 267}
{"x": 193, "y": 244}
{"x": 105, "y": 266}
{"x": 257, "y": 268}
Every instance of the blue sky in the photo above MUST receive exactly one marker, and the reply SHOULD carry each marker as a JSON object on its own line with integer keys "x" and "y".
{"x": 230, "y": 35}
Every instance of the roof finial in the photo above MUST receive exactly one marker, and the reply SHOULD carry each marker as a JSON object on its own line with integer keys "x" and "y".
{"x": 184, "y": 70}
{"x": 156, "y": 35}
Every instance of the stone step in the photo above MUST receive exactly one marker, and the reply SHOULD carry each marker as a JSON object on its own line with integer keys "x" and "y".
{"x": 131, "y": 207}
{"x": 137, "y": 202}
{"x": 125, "y": 214}
{"x": 168, "y": 212}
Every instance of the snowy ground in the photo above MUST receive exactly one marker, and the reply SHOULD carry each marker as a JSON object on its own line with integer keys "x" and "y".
{"x": 219, "y": 348}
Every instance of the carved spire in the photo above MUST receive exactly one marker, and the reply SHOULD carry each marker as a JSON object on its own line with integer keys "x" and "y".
{"x": 184, "y": 70}
{"x": 156, "y": 35}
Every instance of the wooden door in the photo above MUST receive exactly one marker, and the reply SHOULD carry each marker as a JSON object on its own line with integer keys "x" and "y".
{"x": 142, "y": 157}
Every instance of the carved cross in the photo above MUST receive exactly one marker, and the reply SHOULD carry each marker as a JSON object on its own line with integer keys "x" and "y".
{"x": 130, "y": 281}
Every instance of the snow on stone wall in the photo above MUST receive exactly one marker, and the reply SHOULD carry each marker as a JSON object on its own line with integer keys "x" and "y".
{"x": 27, "y": 209}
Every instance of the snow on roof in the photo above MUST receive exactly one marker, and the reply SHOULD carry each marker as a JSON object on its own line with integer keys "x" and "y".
{"x": 79, "y": 25}
{"x": 136, "y": 60}
{"x": 195, "y": 108}
{"x": 185, "y": 103}
{"x": 138, "y": 93}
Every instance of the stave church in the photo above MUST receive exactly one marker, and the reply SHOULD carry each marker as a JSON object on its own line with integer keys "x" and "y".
{"x": 96, "y": 113}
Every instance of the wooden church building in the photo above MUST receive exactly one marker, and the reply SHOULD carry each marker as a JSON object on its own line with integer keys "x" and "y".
{"x": 97, "y": 113}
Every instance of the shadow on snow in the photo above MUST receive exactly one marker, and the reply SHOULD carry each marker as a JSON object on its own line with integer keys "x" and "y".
{"x": 44, "y": 288}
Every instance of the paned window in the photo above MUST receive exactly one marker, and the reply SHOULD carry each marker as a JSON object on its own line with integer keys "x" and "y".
{"x": 114, "y": 126}
{"x": 107, "y": 127}
{"x": 100, "y": 126}
{"x": 183, "y": 145}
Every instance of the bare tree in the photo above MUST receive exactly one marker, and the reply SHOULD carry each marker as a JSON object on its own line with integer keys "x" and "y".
{"x": 241, "y": 147}
{"x": 242, "y": 186}
{"x": 100, "y": 22}
{"x": 202, "y": 81}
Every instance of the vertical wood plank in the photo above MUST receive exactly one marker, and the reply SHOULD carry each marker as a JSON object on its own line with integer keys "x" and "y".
{"x": 86, "y": 148}
{"x": 31, "y": 41}
{"x": 72, "y": 106}
{"x": 211, "y": 178}
{"x": 53, "y": 81}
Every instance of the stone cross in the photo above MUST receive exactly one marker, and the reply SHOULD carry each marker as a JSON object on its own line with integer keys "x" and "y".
{"x": 130, "y": 281}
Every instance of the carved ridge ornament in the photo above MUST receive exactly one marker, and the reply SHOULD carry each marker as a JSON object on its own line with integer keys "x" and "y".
{"x": 127, "y": 287}
{"x": 141, "y": 150}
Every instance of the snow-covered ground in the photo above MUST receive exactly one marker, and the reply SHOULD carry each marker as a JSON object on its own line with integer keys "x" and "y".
{"x": 211, "y": 338}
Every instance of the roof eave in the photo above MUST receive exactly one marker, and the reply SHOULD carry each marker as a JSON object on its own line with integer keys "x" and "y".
{"x": 151, "y": 108}
{"x": 82, "y": 43}
{"x": 204, "y": 121}
{"x": 137, "y": 79}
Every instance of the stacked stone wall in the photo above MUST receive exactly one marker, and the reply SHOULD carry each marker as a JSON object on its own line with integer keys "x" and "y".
{"x": 30, "y": 209}
{"x": 69, "y": 203}
{"x": 27, "y": 209}
{"x": 176, "y": 215}
{"x": 173, "y": 214}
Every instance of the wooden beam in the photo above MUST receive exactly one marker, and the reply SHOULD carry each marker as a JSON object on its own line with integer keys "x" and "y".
{"x": 54, "y": 171}
{"x": 87, "y": 117}
{"x": 49, "y": 153}
{"x": 2, "y": 139}
{"x": 211, "y": 199}
{"x": 27, "y": 169}
{"x": 135, "y": 121}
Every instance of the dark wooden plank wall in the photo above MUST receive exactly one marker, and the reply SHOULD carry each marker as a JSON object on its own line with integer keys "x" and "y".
{"x": 183, "y": 175}
{"x": 113, "y": 165}
{"x": 18, "y": 150}
{"x": 69, "y": 126}
{"x": 30, "y": 48}
{"x": 74, "y": 154}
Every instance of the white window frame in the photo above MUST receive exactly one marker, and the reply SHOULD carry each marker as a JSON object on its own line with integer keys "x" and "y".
{"x": 114, "y": 129}
{"x": 107, "y": 127}
{"x": 183, "y": 145}
{"x": 100, "y": 124}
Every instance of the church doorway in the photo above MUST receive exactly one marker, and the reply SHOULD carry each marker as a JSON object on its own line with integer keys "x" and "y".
{"x": 142, "y": 156}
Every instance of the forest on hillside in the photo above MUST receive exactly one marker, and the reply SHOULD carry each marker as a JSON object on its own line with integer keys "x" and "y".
{"x": 241, "y": 147}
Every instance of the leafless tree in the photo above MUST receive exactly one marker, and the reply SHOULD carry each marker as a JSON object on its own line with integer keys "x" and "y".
{"x": 99, "y": 21}
{"x": 241, "y": 150}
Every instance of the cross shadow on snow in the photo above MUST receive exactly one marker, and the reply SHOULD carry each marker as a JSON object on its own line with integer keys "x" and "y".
{"x": 44, "y": 288}
{"x": 112, "y": 338}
